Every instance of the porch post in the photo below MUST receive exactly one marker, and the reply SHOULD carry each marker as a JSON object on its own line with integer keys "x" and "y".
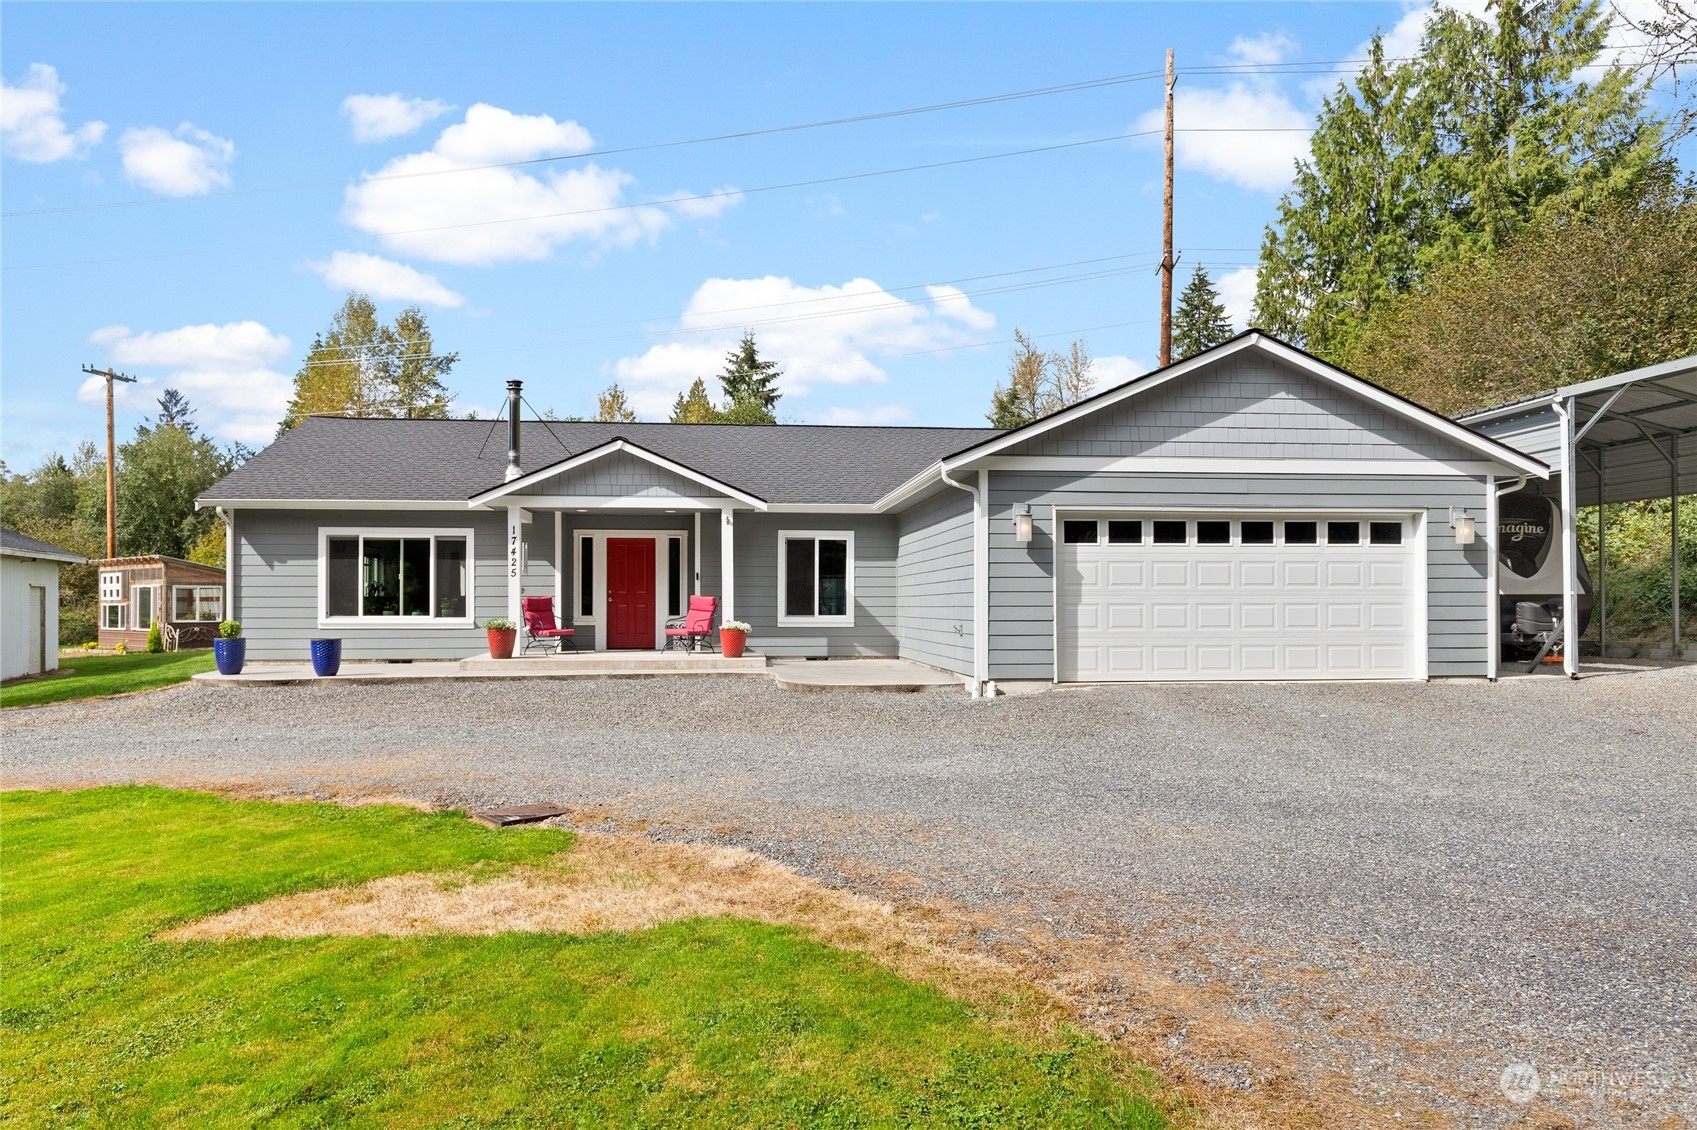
{"x": 727, "y": 567}
{"x": 1493, "y": 602}
{"x": 515, "y": 562}
{"x": 1569, "y": 538}
{"x": 696, "y": 587}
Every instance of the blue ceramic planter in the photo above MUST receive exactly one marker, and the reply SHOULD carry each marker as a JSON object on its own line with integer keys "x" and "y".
{"x": 326, "y": 657}
{"x": 229, "y": 655}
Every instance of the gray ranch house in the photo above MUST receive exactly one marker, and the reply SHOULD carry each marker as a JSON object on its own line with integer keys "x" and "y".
{"x": 1248, "y": 513}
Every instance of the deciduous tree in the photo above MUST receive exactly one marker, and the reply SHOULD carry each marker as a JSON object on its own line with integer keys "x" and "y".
{"x": 1040, "y": 383}
{"x": 696, "y": 407}
{"x": 611, "y": 407}
{"x": 362, "y": 367}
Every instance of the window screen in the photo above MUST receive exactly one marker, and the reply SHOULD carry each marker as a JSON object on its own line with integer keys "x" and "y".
{"x": 798, "y": 577}
{"x": 1384, "y": 533}
{"x": 1169, "y": 533}
{"x": 343, "y": 577}
{"x": 1213, "y": 533}
{"x": 833, "y": 577}
{"x": 674, "y": 576}
{"x": 1301, "y": 533}
{"x": 1257, "y": 533}
{"x": 586, "y": 577}
{"x": 1079, "y": 531}
{"x": 1125, "y": 533}
{"x": 451, "y": 587}
{"x": 1343, "y": 533}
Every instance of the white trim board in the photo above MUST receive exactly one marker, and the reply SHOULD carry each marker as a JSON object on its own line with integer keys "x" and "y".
{"x": 785, "y": 620}
{"x": 1200, "y": 465}
{"x": 596, "y": 622}
{"x": 612, "y": 447}
{"x": 1501, "y": 454}
{"x": 327, "y": 622}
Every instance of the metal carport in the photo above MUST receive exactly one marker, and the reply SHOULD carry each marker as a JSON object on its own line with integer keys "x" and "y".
{"x": 1625, "y": 438}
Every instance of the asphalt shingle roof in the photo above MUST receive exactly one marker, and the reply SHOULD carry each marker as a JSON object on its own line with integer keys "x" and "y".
{"x": 20, "y": 545}
{"x": 338, "y": 458}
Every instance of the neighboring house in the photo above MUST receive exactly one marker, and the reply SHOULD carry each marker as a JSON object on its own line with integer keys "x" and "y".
{"x": 186, "y": 597}
{"x": 1248, "y": 513}
{"x": 29, "y": 604}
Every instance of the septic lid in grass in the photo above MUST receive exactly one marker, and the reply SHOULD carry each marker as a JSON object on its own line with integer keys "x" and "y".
{"x": 517, "y": 814}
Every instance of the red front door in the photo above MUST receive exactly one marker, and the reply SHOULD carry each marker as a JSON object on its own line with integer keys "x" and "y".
{"x": 630, "y": 592}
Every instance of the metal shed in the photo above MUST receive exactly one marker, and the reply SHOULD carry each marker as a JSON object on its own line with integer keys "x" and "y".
{"x": 1624, "y": 438}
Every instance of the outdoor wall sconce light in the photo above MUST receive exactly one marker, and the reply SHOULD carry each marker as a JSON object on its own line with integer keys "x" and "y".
{"x": 1022, "y": 524}
{"x": 1462, "y": 523}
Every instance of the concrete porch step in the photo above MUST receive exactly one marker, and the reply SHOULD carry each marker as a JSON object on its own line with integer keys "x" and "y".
{"x": 593, "y": 663}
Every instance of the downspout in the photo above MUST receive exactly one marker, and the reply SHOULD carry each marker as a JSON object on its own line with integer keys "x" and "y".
{"x": 1565, "y": 412}
{"x": 980, "y": 583}
{"x": 1493, "y": 520}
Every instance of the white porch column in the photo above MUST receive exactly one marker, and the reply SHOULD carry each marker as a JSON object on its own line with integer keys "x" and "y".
{"x": 1569, "y": 539}
{"x": 1493, "y": 601}
{"x": 727, "y": 567}
{"x": 515, "y": 562}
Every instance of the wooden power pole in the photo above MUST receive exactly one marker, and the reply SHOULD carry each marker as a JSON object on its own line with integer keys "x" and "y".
{"x": 1167, "y": 231}
{"x": 111, "y": 458}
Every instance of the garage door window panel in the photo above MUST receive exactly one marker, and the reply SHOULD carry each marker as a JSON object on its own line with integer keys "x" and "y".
{"x": 1169, "y": 532}
{"x": 1125, "y": 533}
{"x": 1301, "y": 533}
{"x": 1076, "y": 531}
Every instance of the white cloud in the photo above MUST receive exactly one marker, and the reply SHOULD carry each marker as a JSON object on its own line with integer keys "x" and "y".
{"x": 223, "y": 370}
{"x": 186, "y": 162}
{"x": 1237, "y": 294}
{"x": 1261, "y": 159}
{"x": 376, "y": 117}
{"x": 384, "y": 278}
{"x": 1116, "y": 369}
{"x": 482, "y": 215}
{"x": 33, "y": 124}
{"x": 827, "y": 335}
{"x": 876, "y": 414}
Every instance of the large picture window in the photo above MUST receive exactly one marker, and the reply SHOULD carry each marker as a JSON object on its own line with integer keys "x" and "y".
{"x": 816, "y": 578}
{"x": 197, "y": 602}
{"x": 405, "y": 575}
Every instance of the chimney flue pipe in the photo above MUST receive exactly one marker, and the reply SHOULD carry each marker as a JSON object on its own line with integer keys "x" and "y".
{"x": 513, "y": 401}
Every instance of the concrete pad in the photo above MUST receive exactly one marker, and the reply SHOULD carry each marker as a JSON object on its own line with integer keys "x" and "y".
{"x": 581, "y": 665}
{"x": 859, "y": 675}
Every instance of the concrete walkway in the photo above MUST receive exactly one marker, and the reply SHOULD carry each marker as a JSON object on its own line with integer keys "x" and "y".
{"x": 790, "y": 674}
{"x": 859, "y": 675}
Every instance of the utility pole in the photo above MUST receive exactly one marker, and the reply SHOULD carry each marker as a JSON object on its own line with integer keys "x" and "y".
{"x": 111, "y": 458}
{"x": 1167, "y": 231}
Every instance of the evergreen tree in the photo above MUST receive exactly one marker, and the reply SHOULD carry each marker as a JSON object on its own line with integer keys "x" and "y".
{"x": 174, "y": 409}
{"x": 1200, "y": 321}
{"x": 611, "y": 407}
{"x": 694, "y": 407}
{"x": 1447, "y": 155}
{"x": 748, "y": 378}
{"x": 160, "y": 474}
{"x": 361, "y": 367}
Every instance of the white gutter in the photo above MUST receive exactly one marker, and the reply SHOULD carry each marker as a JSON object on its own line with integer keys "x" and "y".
{"x": 980, "y": 579}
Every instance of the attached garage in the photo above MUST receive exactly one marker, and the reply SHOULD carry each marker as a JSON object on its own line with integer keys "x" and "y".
{"x": 1262, "y": 594}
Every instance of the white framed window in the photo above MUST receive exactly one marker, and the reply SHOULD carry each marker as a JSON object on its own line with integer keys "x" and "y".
{"x": 395, "y": 576}
{"x": 197, "y": 602}
{"x": 112, "y": 616}
{"x": 816, "y": 577}
{"x": 111, "y": 586}
{"x": 145, "y": 598}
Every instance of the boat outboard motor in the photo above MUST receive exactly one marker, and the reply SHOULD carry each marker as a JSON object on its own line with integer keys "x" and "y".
{"x": 1529, "y": 553}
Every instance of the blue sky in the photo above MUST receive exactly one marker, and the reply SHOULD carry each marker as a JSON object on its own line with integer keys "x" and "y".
{"x": 190, "y": 191}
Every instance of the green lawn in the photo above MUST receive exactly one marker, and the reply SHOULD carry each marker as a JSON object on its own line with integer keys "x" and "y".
{"x": 96, "y": 676}
{"x": 710, "y": 1022}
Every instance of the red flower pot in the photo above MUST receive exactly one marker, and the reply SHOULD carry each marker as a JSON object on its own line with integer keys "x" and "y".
{"x": 732, "y": 642}
{"x": 501, "y": 642}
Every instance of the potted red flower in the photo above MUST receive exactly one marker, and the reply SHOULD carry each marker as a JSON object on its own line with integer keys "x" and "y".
{"x": 503, "y": 635}
{"x": 733, "y": 637}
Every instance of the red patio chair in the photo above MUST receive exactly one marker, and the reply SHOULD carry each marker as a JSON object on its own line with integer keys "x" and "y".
{"x": 694, "y": 631}
{"x": 540, "y": 630}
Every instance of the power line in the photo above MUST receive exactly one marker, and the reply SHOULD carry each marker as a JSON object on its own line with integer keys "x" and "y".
{"x": 737, "y": 135}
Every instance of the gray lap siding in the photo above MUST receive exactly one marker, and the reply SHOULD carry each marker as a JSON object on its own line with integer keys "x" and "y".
{"x": 874, "y": 628}
{"x": 1022, "y": 577}
{"x": 277, "y": 570}
{"x": 934, "y": 581}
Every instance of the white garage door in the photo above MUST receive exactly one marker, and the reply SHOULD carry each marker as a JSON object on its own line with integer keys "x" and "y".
{"x": 1250, "y": 596}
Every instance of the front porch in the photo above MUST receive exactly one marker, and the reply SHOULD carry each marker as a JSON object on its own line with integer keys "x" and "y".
{"x": 570, "y": 665}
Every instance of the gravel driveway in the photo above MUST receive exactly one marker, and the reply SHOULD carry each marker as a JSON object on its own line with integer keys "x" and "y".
{"x": 1386, "y": 892}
